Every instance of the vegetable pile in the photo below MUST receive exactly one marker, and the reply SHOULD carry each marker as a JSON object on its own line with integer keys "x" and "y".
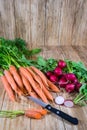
{"x": 21, "y": 74}
{"x": 27, "y": 81}
{"x": 64, "y": 78}
{"x": 73, "y": 77}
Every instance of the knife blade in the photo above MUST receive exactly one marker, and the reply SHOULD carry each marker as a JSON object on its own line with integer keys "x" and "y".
{"x": 60, "y": 113}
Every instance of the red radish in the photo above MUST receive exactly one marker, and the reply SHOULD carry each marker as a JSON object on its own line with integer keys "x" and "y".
{"x": 62, "y": 64}
{"x": 53, "y": 78}
{"x": 59, "y": 100}
{"x": 70, "y": 76}
{"x": 68, "y": 103}
{"x": 70, "y": 87}
{"x": 77, "y": 86}
{"x": 49, "y": 73}
{"x": 75, "y": 81}
{"x": 58, "y": 71}
{"x": 62, "y": 82}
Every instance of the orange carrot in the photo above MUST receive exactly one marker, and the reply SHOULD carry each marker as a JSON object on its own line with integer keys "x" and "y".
{"x": 28, "y": 86}
{"x": 41, "y": 111}
{"x": 42, "y": 95}
{"x": 38, "y": 79}
{"x": 16, "y": 76}
{"x": 38, "y": 72}
{"x": 33, "y": 114}
{"x": 52, "y": 86}
{"x": 26, "y": 83}
{"x": 11, "y": 81}
{"x": 33, "y": 94}
{"x": 34, "y": 85}
{"x": 8, "y": 88}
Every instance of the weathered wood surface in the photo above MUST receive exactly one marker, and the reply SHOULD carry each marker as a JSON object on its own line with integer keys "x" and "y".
{"x": 50, "y": 121}
{"x": 45, "y": 22}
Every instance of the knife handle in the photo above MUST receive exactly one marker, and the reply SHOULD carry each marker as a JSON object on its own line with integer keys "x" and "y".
{"x": 62, "y": 114}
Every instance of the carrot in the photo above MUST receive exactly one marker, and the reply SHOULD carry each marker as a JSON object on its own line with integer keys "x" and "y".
{"x": 8, "y": 88}
{"x": 42, "y": 95}
{"x": 11, "y": 81}
{"x": 32, "y": 114}
{"x": 28, "y": 86}
{"x": 41, "y": 111}
{"x": 52, "y": 86}
{"x": 33, "y": 94}
{"x": 16, "y": 76}
{"x": 28, "y": 113}
{"x": 38, "y": 72}
{"x": 26, "y": 83}
{"x": 38, "y": 79}
{"x": 34, "y": 85}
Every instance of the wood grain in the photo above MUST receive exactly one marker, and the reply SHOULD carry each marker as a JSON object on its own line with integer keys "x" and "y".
{"x": 22, "y": 19}
{"x": 73, "y": 21}
{"x": 37, "y": 22}
{"x": 45, "y": 22}
{"x": 7, "y": 19}
{"x": 52, "y": 22}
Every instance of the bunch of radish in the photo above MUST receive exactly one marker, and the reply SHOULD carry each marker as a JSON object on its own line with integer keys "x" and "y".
{"x": 68, "y": 81}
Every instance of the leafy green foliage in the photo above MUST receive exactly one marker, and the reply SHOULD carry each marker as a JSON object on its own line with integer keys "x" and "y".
{"x": 79, "y": 69}
{"x": 16, "y": 53}
{"x": 46, "y": 64}
{"x": 19, "y": 44}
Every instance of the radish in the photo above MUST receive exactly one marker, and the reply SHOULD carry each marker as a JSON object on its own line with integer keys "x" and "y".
{"x": 61, "y": 64}
{"x": 62, "y": 82}
{"x": 77, "y": 86}
{"x": 49, "y": 73}
{"x": 75, "y": 81}
{"x": 59, "y": 100}
{"x": 68, "y": 103}
{"x": 53, "y": 78}
{"x": 58, "y": 71}
{"x": 70, "y": 76}
{"x": 70, "y": 87}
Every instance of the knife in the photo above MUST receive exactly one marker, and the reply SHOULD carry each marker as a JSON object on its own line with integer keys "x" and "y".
{"x": 54, "y": 110}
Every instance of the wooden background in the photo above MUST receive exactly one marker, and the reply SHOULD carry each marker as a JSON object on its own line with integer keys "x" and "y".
{"x": 45, "y": 22}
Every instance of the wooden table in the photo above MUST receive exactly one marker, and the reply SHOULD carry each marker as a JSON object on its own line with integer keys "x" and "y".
{"x": 50, "y": 121}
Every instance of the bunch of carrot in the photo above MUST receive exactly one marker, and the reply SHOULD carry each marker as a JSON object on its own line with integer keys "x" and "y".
{"x": 30, "y": 113}
{"x": 19, "y": 77}
{"x": 27, "y": 80}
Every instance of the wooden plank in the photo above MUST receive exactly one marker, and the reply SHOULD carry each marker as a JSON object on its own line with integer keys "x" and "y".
{"x": 81, "y": 51}
{"x": 47, "y": 52}
{"x": 73, "y": 23}
{"x": 37, "y": 22}
{"x": 7, "y": 19}
{"x": 66, "y": 22}
{"x": 52, "y": 22}
{"x": 22, "y": 19}
{"x": 69, "y": 53}
{"x": 80, "y": 24}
